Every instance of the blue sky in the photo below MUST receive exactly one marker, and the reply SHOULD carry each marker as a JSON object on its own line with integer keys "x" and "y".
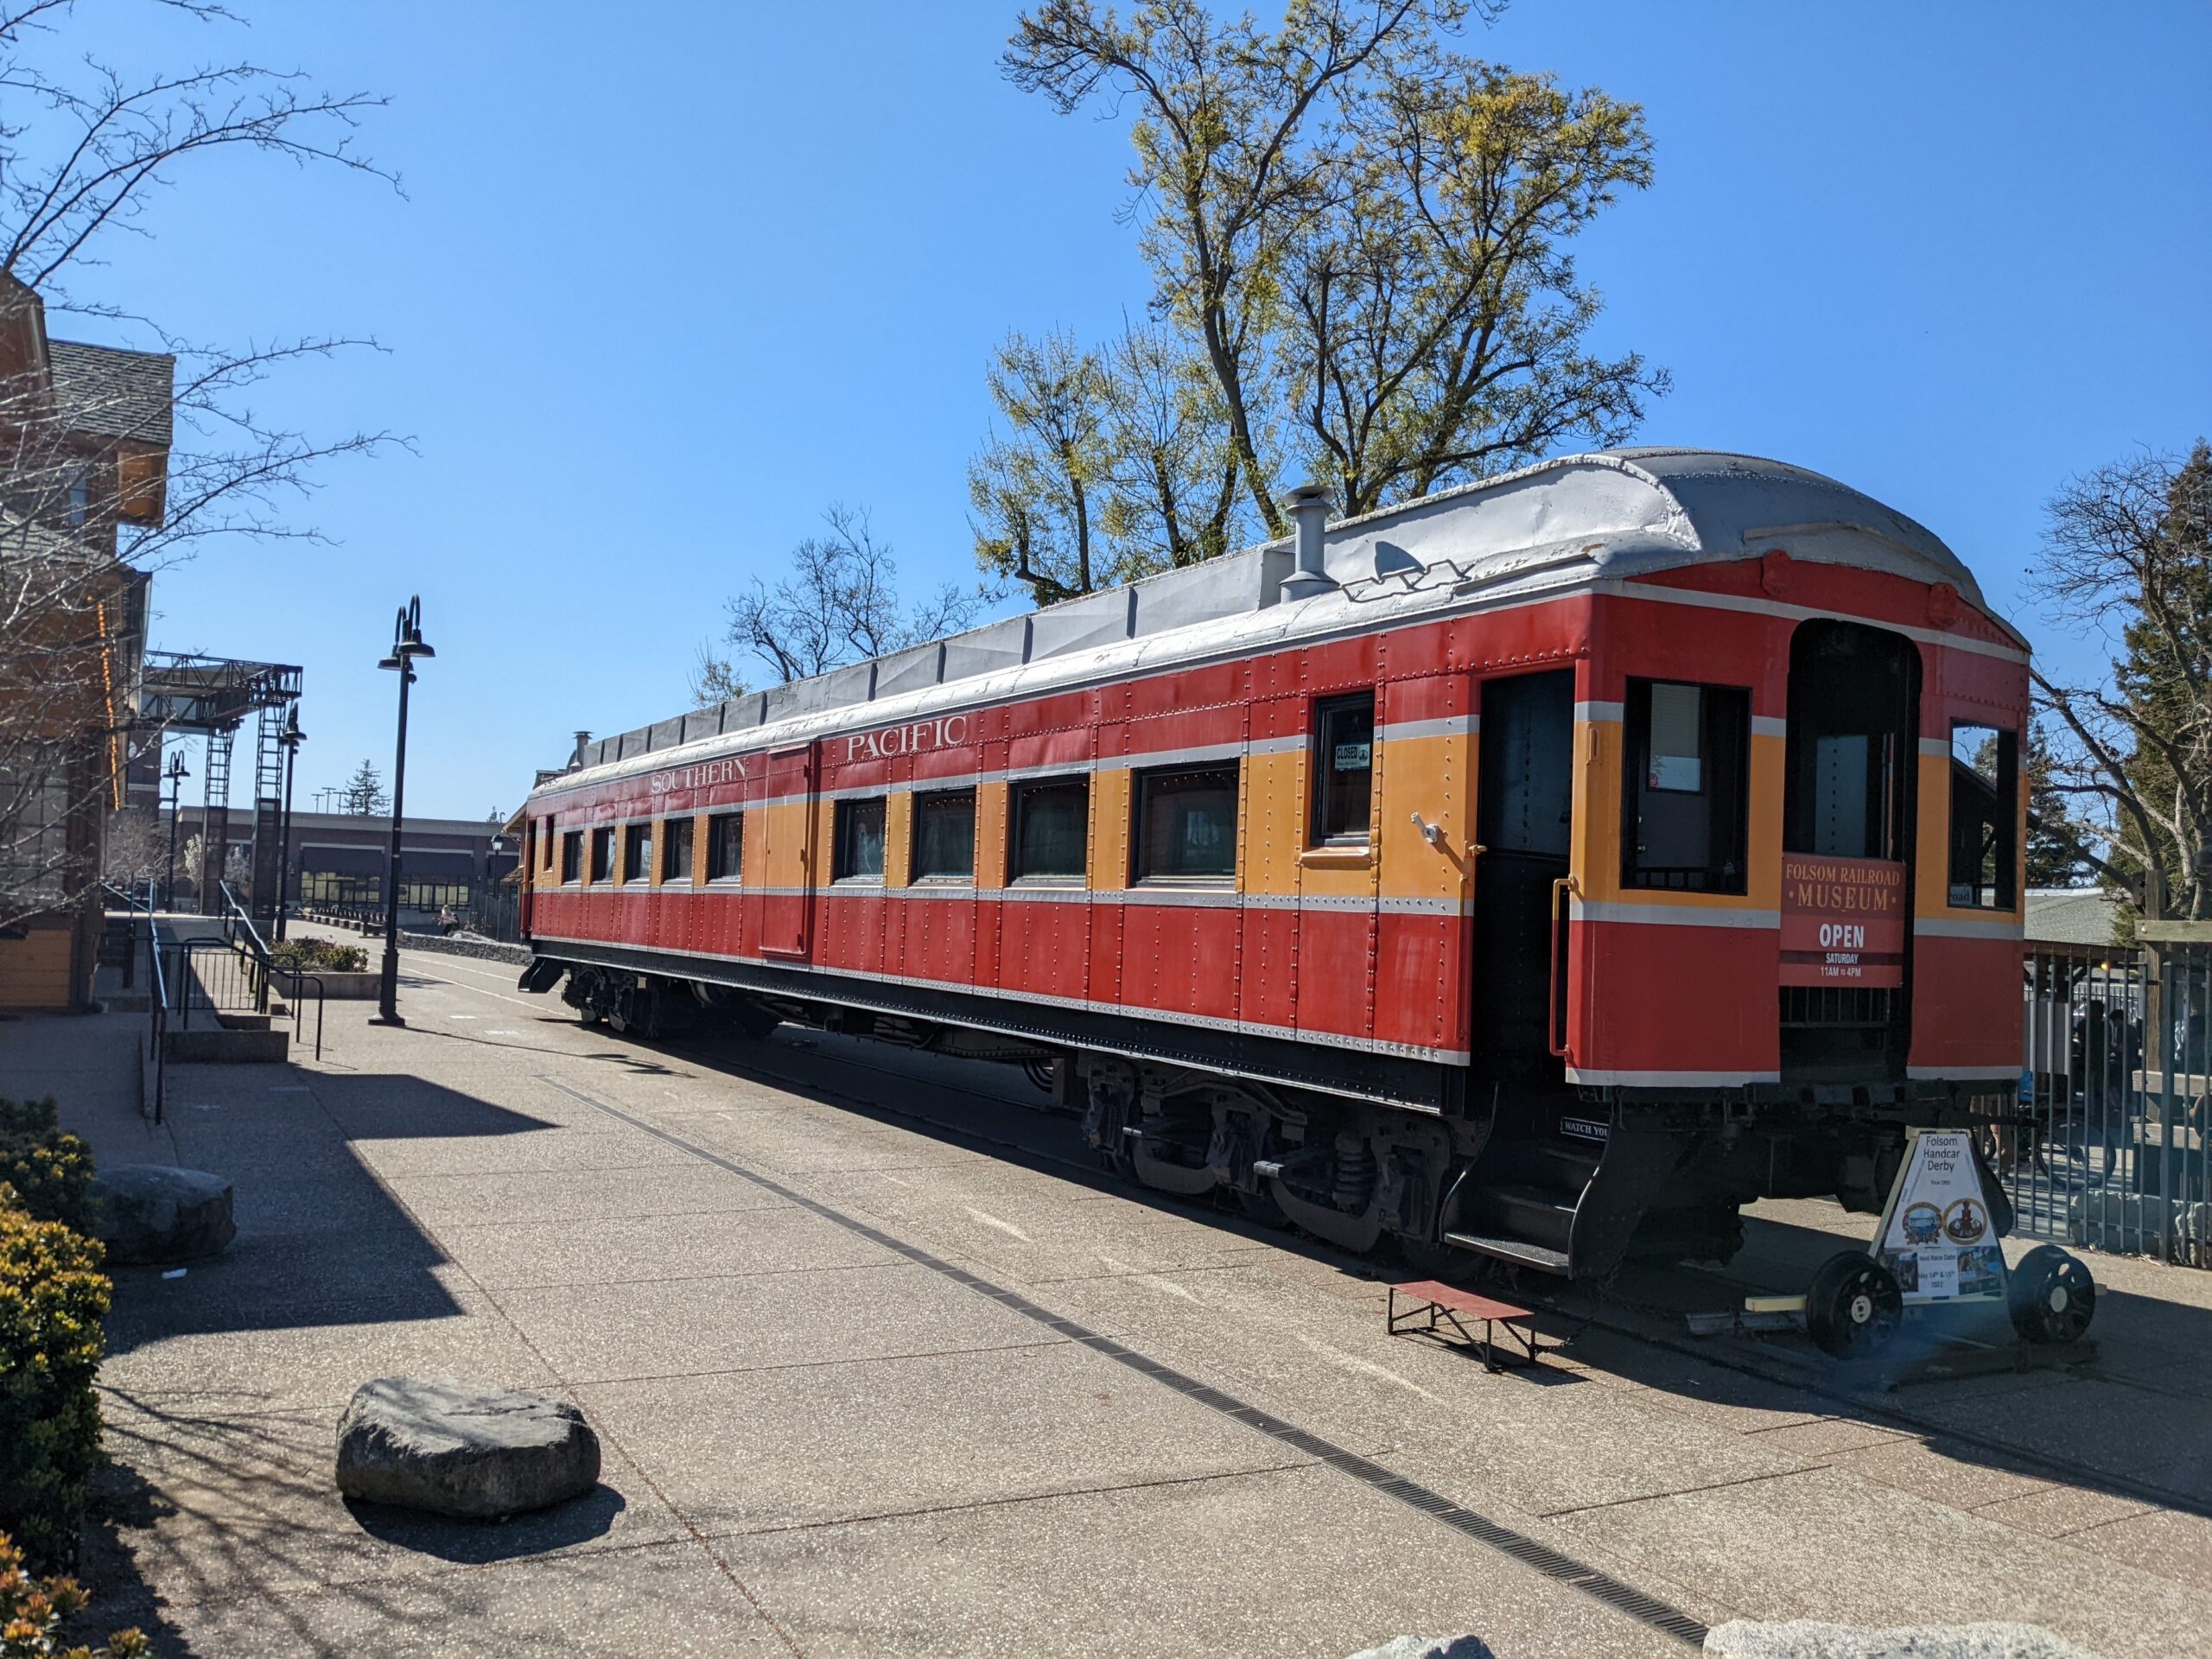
{"x": 658, "y": 293}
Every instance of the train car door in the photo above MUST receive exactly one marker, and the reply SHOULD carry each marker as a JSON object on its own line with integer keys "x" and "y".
{"x": 787, "y": 871}
{"x": 1847, "y": 814}
{"x": 1523, "y": 824}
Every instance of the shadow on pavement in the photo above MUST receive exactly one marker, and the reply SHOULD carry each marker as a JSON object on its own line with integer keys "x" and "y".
{"x": 2134, "y": 1424}
{"x": 321, "y": 1240}
{"x": 477, "y": 1543}
{"x": 121, "y": 1597}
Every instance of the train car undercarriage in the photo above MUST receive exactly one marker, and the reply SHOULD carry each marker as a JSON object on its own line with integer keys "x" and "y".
{"x": 1572, "y": 1184}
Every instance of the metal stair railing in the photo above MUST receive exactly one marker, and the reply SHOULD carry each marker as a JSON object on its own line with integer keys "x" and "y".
{"x": 263, "y": 968}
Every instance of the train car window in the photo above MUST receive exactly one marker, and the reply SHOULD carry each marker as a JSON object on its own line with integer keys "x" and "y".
{"x": 1685, "y": 808}
{"x": 638, "y": 853}
{"x": 858, "y": 841}
{"x": 945, "y": 836}
{"x": 572, "y": 856}
{"x": 1052, "y": 830}
{"x": 602, "y": 854}
{"x": 1985, "y": 792}
{"x": 1343, "y": 770}
{"x": 676, "y": 850}
{"x": 1854, "y": 692}
{"x": 549, "y": 839}
{"x": 1187, "y": 823}
{"x": 726, "y": 846}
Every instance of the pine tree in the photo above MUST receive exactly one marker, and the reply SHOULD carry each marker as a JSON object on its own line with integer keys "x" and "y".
{"x": 364, "y": 793}
{"x": 2054, "y": 845}
{"x": 2164, "y": 676}
{"x": 2129, "y": 544}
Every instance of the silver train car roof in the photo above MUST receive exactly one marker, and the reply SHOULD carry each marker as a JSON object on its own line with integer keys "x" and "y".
{"x": 1574, "y": 522}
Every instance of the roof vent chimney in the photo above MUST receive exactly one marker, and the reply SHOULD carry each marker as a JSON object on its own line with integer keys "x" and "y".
{"x": 577, "y": 759}
{"x": 1309, "y": 512}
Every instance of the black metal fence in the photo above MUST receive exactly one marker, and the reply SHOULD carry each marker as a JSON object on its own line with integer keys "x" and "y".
{"x": 2108, "y": 1148}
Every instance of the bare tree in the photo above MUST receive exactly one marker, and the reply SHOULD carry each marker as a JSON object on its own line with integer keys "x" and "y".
{"x": 1436, "y": 324}
{"x": 136, "y": 848}
{"x": 714, "y": 678}
{"x": 103, "y": 141}
{"x": 1173, "y": 470}
{"x": 839, "y": 605}
{"x": 1238, "y": 155}
{"x": 2128, "y": 555}
{"x": 1115, "y": 464}
{"x": 117, "y": 464}
{"x": 1036, "y": 491}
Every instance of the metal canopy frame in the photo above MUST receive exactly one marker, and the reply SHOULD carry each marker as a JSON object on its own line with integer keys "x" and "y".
{"x": 182, "y": 691}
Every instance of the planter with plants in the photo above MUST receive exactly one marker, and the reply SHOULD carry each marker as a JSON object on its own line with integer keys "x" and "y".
{"x": 342, "y": 969}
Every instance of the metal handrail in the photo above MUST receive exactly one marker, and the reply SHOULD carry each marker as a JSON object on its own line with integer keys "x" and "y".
{"x": 253, "y": 947}
{"x": 244, "y": 936}
{"x": 159, "y": 1024}
{"x": 131, "y": 909}
{"x": 299, "y": 984}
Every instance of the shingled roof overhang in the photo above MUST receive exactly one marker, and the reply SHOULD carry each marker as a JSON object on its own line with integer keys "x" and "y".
{"x": 111, "y": 393}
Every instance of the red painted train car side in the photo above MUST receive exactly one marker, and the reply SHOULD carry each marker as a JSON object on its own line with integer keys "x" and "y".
{"x": 1540, "y": 870}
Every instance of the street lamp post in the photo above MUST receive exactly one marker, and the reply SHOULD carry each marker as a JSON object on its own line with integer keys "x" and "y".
{"x": 407, "y": 645}
{"x": 176, "y": 775}
{"x": 291, "y": 737}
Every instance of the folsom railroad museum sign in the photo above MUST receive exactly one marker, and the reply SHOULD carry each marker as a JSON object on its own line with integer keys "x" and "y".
{"x": 1842, "y": 921}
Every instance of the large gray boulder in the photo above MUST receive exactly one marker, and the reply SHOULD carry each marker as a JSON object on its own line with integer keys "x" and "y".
{"x": 1429, "y": 1647}
{"x": 450, "y": 1449}
{"x": 157, "y": 1213}
{"x": 1805, "y": 1638}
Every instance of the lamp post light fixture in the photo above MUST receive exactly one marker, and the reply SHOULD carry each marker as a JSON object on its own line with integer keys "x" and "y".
{"x": 176, "y": 774}
{"x": 407, "y": 645}
{"x": 290, "y": 738}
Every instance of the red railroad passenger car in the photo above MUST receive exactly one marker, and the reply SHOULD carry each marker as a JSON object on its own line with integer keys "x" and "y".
{"x": 1541, "y": 869}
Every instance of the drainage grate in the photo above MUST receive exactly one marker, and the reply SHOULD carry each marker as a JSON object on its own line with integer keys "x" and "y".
{"x": 1545, "y": 1560}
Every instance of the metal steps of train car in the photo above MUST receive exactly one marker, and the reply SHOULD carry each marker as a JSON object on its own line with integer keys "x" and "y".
{"x": 1543, "y": 1216}
{"x": 1566, "y": 1165}
{"x": 1518, "y": 1251}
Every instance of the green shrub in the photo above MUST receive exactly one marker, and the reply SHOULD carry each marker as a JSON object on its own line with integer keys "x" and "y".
{"x": 32, "y": 1611}
{"x": 53, "y": 1296}
{"x": 51, "y": 1171}
{"x": 316, "y": 956}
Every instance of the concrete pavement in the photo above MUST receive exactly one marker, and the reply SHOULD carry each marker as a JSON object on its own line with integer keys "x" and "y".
{"x": 878, "y": 1368}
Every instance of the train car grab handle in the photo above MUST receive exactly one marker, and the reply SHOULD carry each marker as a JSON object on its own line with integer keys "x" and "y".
{"x": 1555, "y": 1010}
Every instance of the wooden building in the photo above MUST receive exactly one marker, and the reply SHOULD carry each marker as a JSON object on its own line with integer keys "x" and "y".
{"x": 85, "y": 433}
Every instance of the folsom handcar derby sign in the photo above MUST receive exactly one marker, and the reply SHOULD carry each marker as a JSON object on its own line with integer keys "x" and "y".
{"x": 1842, "y": 921}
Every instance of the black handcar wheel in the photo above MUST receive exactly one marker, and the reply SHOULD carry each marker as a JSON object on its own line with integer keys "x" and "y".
{"x": 2051, "y": 1296}
{"x": 1853, "y": 1305}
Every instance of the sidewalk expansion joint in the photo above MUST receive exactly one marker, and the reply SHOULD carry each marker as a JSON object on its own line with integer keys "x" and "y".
{"x": 974, "y": 1505}
{"x": 1684, "y": 1491}
{"x": 1564, "y": 1569}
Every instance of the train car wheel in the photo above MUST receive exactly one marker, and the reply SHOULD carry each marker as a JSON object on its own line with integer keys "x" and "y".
{"x": 2051, "y": 1296}
{"x": 1853, "y": 1305}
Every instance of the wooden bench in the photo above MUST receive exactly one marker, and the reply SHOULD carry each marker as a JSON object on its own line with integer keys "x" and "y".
{"x": 1439, "y": 1301}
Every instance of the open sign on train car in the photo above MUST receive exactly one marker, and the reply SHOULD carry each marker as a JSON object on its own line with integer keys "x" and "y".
{"x": 1842, "y": 921}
